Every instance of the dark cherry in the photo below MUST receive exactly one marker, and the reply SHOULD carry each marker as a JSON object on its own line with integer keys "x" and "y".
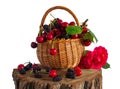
{"x": 87, "y": 42}
{"x": 33, "y": 44}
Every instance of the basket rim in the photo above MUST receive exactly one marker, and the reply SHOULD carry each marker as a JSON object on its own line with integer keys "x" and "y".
{"x": 62, "y": 40}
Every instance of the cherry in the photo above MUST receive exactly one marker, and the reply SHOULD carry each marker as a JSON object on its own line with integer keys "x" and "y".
{"x": 34, "y": 65}
{"x": 40, "y": 39}
{"x": 75, "y": 36}
{"x": 85, "y": 29}
{"x": 72, "y": 23}
{"x": 59, "y": 21}
{"x": 49, "y": 36}
{"x": 78, "y": 71}
{"x": 33, "y": 44}
{"x": 20, "y": 66}
{"x": 81, "y": 35}
{"x": 52, "y": 73}
{"x": 53, "y": 51}
{"x": 44, "y": 35}
{"x": 52, "y": 32}
{"x": 87, "y": 42}
{"x": 64, "y": 24}
{"x": 57, "y": 32}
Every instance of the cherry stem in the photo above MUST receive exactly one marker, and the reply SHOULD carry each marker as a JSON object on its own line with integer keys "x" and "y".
{"x": 84, "y": 23}
{"x": 53, "y": 41}
{"x": 52, "y": 15}
{"x": 52, "y": 44}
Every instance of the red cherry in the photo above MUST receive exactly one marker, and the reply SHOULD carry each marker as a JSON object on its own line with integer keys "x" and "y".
{"x": 52, "y": 32}
{"x": 64, "y": 24}
{"x": 34, "y": 65}
{"x": 57, "y": 32}
{"x": 87, "y": 42}
{"x": 49, "y": 36}
{"x": 78, "y": 71}
{"x": 85, "y": 29}
{"x": 75, "y": 36}
{"x": 20, "y": 66}
{"x": 44, "y": 35}
{"x": 59, "y": 21}
{"x": 72, "y": 23}
{"x": 52, "y": 73}
{"x": 53, "y": 51}
{"x": 40, "y": 39}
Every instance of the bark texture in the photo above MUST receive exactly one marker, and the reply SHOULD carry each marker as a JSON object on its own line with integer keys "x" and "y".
{"x": 90, "y": 79}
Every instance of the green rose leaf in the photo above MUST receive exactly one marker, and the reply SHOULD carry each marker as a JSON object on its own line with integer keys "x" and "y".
{"x": 106, "y": 66}
{"x": 72, "y": 30}
{"x": 85, "y": 52}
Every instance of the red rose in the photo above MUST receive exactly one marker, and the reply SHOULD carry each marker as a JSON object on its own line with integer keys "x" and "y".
{"x": 100, "y": 56}
{"x": 86, "y": 60}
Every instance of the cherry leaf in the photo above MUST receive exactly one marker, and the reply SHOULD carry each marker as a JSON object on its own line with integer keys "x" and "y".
{"x": 88, "y": 36}
{"x": 93, "y": 35}
{"x": 72, "y": 30}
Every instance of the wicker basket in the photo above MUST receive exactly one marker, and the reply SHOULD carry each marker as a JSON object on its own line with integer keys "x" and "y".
{"x": 69, "y": 51}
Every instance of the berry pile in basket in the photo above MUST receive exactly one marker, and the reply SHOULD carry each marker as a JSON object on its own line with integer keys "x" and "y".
{"x": 38, "y": 71}
{"x": 58, "y": 29}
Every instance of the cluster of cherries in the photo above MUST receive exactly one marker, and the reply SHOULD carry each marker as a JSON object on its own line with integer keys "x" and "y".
{"x": 56, "y": 30}
{"x": 36, "y": 69}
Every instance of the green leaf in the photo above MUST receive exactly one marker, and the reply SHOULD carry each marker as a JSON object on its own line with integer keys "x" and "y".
{"x": 72, "y": 30}
{"x": 93, "y": 35}
{"x": 106, "y": 66}
{"x": 85, "y": 52}
{"x": 88, "y": 36}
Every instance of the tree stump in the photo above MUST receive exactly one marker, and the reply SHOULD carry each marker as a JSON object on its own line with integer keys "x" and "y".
{"x": 90, "y": 79}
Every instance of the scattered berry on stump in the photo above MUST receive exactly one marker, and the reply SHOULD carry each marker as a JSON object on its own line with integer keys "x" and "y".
{"x": 22, "y": 71}
{"x": 57, "y": 78}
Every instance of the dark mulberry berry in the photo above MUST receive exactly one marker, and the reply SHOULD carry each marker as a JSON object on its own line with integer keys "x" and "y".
{"x": 36, "y": 69}
{"x": 57, "y": 78}
{"x": 70, "y": 75}
{"x": 37, "y": 75}
{"x": 28, "y": 66}
{"x": 57, "y": 25}
{"x": 22, "y": 71}
{"x": 48, "y": 69}
{"x": 46, "y": 28}
{"x": 70, "y": 70}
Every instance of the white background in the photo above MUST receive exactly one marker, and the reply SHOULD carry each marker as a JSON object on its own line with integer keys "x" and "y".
{"x": 19, "y": 25}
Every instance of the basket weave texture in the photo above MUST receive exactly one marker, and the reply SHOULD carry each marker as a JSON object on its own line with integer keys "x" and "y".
{"x": 69, "y": 51}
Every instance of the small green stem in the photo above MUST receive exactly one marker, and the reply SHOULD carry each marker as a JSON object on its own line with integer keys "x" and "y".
{"x": 52, "y": 15}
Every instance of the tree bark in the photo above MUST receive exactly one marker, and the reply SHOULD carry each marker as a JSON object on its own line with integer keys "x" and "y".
{"x": 90, "y": 79}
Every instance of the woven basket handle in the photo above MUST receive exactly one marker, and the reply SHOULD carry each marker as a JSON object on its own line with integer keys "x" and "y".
{"x": 58, "y": 7}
